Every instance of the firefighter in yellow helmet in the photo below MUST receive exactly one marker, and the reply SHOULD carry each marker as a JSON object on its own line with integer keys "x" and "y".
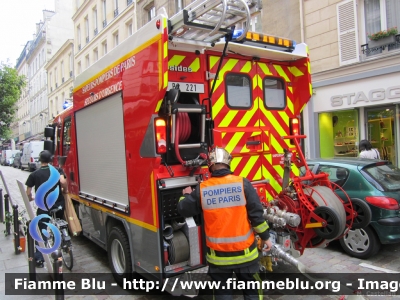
{"x": 232, "y": 212}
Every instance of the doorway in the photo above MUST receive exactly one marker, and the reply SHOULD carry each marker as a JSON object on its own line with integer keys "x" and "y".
{"x": 381, "y": 124}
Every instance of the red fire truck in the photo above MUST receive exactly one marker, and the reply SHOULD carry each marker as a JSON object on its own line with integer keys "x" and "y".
{"x": 145, "y": 116}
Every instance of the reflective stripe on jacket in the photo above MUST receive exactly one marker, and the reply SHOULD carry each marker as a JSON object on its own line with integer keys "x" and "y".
{"x": 227, "y": 226}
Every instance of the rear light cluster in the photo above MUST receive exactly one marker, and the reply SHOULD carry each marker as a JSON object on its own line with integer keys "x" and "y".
{"x": 161, "y": 135}
{"x": 383, "y": 202}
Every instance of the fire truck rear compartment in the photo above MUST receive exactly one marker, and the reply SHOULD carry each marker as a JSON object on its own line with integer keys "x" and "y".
{"x": 181, "y": 238}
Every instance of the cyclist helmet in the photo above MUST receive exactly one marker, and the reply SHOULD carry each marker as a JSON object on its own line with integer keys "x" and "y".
{"x": 219, "y": 155}
{"x": 45, "y": 156}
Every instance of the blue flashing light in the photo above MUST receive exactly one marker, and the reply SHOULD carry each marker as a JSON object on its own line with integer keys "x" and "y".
{"x": 294, "y": 43}
{"x": 67, "y": 104}
{"x": 237, "y": 33}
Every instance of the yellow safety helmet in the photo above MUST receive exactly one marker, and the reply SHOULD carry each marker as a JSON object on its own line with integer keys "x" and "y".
{"x": 219, "y": 155}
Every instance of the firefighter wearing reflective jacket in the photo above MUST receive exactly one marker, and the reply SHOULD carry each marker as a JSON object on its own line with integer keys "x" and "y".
{"x": 232, "y": 213}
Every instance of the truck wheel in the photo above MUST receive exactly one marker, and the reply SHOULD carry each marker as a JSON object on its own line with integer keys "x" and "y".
{"x": 361, "y": 243}
{"x": 30, "y": 168}
{"x": 119, "y": 255}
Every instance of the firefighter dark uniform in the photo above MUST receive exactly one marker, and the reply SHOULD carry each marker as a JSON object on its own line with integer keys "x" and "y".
{"x": 232, "y": 213}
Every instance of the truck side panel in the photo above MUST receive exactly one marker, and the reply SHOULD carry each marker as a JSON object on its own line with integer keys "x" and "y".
{"x": 101, "y": 152}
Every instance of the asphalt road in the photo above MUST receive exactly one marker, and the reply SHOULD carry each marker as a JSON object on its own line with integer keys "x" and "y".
{"x": 89, "y": 258}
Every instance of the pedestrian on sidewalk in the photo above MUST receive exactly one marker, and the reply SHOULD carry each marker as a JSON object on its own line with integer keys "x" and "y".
{"x": 36, "y": 179}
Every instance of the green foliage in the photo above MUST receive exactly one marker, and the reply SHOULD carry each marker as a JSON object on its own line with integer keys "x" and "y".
{"x": 11, "y": 85}
{"x": 383, "y": 33}
{"x": 22, "y": 220}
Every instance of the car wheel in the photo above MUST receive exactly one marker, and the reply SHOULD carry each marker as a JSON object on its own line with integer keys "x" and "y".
{"x": 361, "y": 243}
{"x": 119, "y": 255}
{"x": 30, "y": 168}
{"x": 364, "y": 213}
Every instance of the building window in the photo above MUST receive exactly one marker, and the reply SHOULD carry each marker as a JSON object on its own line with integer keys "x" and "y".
{"x": 79, "y": 68}
{"x": 51, "y": 81}
{"x": 115, "y": 8}
{"x": 151, "y": 13}
{"x": 62, "y": 71}
{"x": 78, "y": 35}
{"x": 95, "y": 55}
{"x": 104, "y": 44}
{"x": 104, "y": 6}
{"x": 56, "y": 77}
{"x": 71, "y": 64}
{"x": 116, "y": 39}
{"x": 178, "y": 5}
{"x": 95, "y": 31}
{"x": 381, "y": 15}
{"x": 87, "y": 61}
{"x": 129, "y": 28}
{"x": 87, "y": 28}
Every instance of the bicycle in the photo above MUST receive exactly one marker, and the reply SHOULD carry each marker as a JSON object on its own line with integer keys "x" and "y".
{"x": 66, "y": 243}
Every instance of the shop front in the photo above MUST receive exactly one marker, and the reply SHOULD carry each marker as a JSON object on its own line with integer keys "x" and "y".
{"x": 349, "y": 111}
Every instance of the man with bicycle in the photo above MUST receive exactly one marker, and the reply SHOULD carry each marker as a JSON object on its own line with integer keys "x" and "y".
{"x": 36, "y": 179}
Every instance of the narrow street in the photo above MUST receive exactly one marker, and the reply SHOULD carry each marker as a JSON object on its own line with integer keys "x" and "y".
{"x": 89, "y": 258}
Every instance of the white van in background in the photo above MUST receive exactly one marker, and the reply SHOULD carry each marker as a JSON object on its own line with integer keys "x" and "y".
{"x": 30, "y": 154}
{"x": 7, "y": 157}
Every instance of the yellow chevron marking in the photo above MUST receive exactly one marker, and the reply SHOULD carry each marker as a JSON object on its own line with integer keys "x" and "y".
{"x": 295, "y": 71}
{"x": 158, "y": 105}
{"x": 281, "y": 72}
{"x": 314, "y": 225}
{"x": 176, "y": 60}
{"x": 213, "y": 61}
{"x": 244, "y": 149}
{"x": 160, "y": 65}
{"x": 310, "y": 89}
{"x": 234, "y": 141}
{"x": 165, "y": 79}
{"x": 228, "y": 118}
{"x": 218, "y": 105}
{"x": 255, "y": 81}
{"x": 258, "y": 174}
{"x": 164, "y": 23}
{"x": 165, "y": 49}
{"x": 249, "y": 165}
{"x": 246, "y": 68}
{"x": 279, "y": 170}
{"x": 256, "y": 133}
{"x": 295, "y": 170}
{"x": 274, "y": 184}
{"x": 269, "y": 177}
{"x": 227, "y": 67}
{"x": 195, "y": 65}
{"x": 265, "y": 69}
{"x": 223, "y": 134}
{"x": 247, "y": 116}
{"x": 290, "y": 89}
{"x": 235, "y": 162}
{"x": 290, "y": 104}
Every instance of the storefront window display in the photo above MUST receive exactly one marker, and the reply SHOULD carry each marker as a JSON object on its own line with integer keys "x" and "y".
{"x": 381, "y": 131}
{"x": 339, "y": 133}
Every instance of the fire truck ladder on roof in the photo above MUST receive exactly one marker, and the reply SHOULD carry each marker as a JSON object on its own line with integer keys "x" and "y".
{"x": 206, "y": 21}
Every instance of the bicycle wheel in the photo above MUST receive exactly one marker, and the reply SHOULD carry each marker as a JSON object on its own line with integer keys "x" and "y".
{"x": 68, "y": 257}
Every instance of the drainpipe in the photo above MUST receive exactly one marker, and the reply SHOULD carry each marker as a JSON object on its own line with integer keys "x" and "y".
{"x": 301, "y": 21}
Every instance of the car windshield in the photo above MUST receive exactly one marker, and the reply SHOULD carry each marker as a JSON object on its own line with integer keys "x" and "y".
{"x": 387, "y": 176}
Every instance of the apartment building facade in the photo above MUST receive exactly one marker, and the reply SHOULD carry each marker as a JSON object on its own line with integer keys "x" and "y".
{"x": 356, "y": 80}
{"x": 60, "y": 78}
{"x": 50, "y": 34}
{"x": 23, "y": 117}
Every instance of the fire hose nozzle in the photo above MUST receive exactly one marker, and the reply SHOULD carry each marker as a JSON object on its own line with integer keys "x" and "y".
{"x": 280, "y": 253}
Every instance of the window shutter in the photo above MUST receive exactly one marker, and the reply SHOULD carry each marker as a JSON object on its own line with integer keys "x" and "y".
{"x": 347, "y": 31}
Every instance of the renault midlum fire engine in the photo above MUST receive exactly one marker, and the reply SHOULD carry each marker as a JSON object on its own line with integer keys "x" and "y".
{"x": 145, "y": 116}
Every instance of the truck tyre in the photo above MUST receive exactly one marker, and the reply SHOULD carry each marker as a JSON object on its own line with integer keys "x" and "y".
{"x": 361, "y": 243}
{"x": 364, "y": 213}
{"x": 30, "y": 168}
{"x": 119, "y": 255}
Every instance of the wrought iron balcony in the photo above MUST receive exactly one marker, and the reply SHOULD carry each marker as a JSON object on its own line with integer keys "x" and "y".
{"x": 70, "y": 73}
{"x": 375, "y": 47}
{"x": 115, "y": 12}
{"x": 129, "y": 2}
{"x": 79, "y": 47}
{"x": 104, "y": 23}
{"x": 95, "y": 31}
{"x": 87, "y": 39}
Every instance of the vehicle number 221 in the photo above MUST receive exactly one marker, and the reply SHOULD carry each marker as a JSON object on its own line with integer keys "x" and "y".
{"x": 187, "y": 87}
